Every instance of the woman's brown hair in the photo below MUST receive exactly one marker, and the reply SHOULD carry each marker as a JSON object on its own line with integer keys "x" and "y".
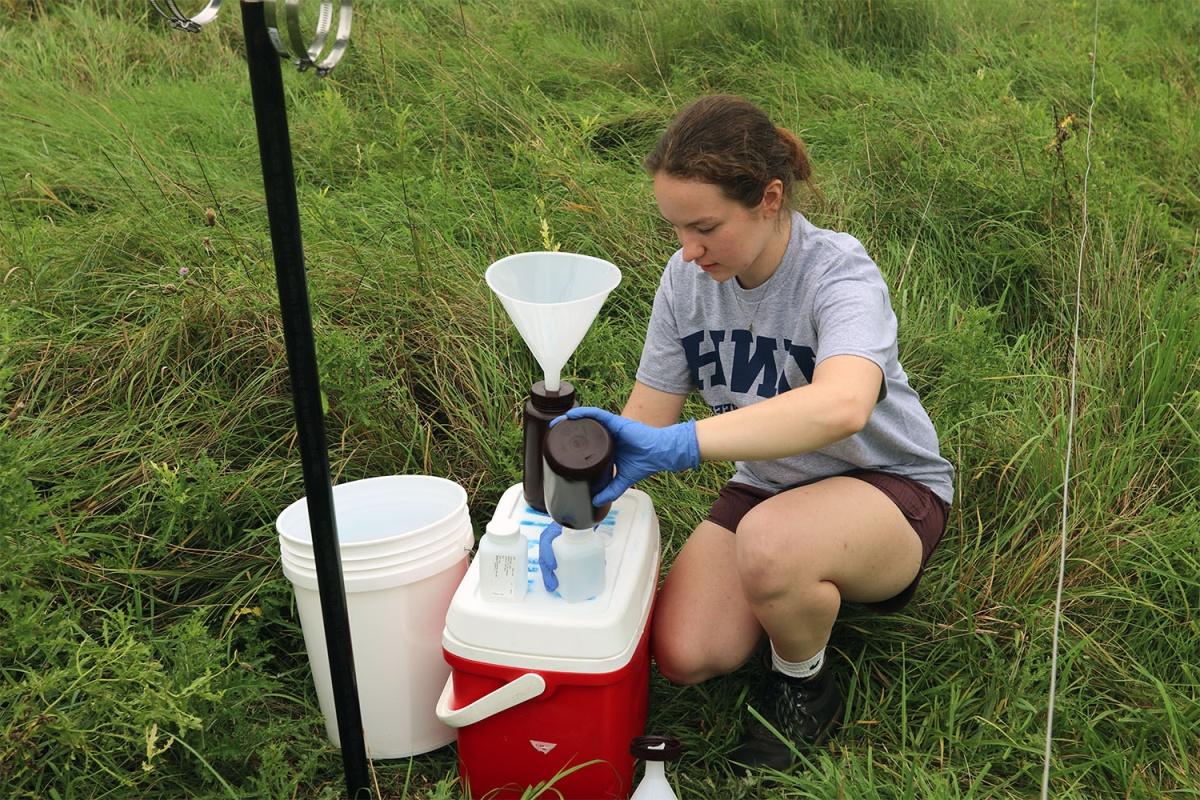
{"x": 731, "y": 143}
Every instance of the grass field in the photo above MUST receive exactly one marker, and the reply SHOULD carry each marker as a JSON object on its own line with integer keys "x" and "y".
{"x": 148, "y": 643}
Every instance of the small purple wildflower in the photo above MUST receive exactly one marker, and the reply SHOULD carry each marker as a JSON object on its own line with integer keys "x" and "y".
{"x": 183, "y": 272}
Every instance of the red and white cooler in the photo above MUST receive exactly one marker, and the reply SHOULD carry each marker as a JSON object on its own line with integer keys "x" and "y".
{"x": 544, "y": 690}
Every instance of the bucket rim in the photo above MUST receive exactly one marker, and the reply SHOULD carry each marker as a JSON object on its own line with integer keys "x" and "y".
{"x": 400, "y": 546}
{"x": 308, "y": 561}
{"x": 298, "y": 510}
{"x": 357, "y": 582}
{"x": 464, "y": 541}
{"x": 373, "y": 548}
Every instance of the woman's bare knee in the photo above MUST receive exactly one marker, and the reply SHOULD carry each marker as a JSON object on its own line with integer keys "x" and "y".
{"x": 764, "y": 570}
{"x": 689, "y": 662}
{"x": 702, "y": 625}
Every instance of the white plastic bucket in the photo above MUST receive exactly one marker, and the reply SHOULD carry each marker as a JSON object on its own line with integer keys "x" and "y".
{"x": 396, "y": 601}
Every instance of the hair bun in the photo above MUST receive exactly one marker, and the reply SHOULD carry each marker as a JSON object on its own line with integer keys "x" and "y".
{"x": 801, "y": 167}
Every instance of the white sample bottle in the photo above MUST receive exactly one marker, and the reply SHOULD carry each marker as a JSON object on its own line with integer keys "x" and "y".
{"x": 503, "y": 557}
{"x": 654, "y": 785}
{"x": 580, "y": 570}
{"x": 654, "y": 750}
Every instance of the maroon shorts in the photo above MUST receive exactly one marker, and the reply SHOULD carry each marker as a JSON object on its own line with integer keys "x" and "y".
{"x": 923, "y": 509}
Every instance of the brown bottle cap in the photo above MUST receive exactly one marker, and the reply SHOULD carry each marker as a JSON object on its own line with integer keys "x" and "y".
{"x": 655, "y": 748}
{"x": 548, "y": 401}
{"x": 578, "y": 449}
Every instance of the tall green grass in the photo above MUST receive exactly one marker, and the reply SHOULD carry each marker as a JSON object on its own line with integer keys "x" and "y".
{"x": 150, "y": 648}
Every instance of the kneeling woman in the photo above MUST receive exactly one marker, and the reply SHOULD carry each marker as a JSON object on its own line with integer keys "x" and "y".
{"x": 787, "y": 332}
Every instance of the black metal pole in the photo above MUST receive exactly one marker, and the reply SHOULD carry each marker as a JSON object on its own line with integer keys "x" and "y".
{"x": 274, "y": 145}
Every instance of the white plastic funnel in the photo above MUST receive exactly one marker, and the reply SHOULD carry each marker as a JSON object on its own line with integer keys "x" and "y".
{"x": 552, "y": 298}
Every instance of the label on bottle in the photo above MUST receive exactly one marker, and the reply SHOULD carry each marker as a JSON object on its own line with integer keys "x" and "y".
{"x": 501, "y": 572}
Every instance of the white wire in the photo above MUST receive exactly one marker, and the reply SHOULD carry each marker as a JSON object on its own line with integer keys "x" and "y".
{"x": 1062, "y": 554}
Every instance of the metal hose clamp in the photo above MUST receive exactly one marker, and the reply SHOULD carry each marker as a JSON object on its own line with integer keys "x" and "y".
{"x": 341, "y": 40}
{"x": 294, "y": 47}
{"x": 182, "y": 21}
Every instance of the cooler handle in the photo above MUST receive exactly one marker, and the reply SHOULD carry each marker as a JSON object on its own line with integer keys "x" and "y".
{"x": 515, "y": 692}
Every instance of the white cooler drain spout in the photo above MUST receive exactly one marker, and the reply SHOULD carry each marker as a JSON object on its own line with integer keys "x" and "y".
{"x": 513, "y": 693}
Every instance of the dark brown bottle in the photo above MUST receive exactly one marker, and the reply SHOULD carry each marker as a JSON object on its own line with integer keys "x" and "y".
{"x": 541, "y": 407}
{"x": 579, "y": 463}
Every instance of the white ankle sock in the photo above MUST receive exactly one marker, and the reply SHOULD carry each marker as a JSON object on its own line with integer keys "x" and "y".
{"x": 797, "y": 669}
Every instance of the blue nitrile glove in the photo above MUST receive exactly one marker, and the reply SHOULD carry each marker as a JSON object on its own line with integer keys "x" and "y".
{"x": 546, "y": 559}
{"x": 641, "y": 450}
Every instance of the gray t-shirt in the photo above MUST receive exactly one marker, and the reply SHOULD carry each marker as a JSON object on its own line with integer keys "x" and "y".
{"x": 739, "y": 346}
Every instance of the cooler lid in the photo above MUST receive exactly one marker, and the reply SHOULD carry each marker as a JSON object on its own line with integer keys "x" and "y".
{"x": 543, "y": 631}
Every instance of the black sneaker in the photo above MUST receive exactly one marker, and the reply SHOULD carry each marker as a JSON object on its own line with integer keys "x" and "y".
{"x": 803, "y": 710}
